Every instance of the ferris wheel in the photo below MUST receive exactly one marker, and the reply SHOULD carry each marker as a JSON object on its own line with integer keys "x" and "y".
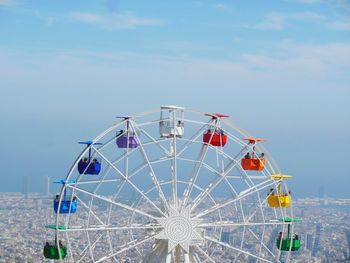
{"x": 173, "y": 185}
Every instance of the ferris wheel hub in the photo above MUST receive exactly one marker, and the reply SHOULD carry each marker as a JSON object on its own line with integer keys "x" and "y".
{"x": 179, "y": 229}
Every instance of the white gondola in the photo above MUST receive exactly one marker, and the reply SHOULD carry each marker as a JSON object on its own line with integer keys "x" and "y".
{"x": 171, "y": 121}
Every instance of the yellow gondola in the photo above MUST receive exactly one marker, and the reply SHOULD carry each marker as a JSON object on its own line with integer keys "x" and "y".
{"x": 280, "y": 199}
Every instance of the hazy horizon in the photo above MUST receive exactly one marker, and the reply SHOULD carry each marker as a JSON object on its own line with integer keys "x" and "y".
{"x": 279, "y": 69}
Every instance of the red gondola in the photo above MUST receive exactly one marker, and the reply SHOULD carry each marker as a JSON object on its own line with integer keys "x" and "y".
{"x": 216, "y": 138}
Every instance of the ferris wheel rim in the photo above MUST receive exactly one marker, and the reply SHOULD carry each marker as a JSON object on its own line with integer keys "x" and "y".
{"x": 100, "y": 136}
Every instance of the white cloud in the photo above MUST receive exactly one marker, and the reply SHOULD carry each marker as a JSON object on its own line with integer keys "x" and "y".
{"x": 271, "y": 22}
{"x": 50, "y": 20}
{"x": 303, "y": 71}
{"x": 115, "y": 20}
{"x": 290, "y": 64}
{"x": 306, "y": 16}
{"x": 301, "y": 59}
{"x": 220, "y": 6}
{"x": 6, "y": 2}
{"x": 305, "y": 1}
{"x": 340, "y": 25}
{"x": 279, "y": 21}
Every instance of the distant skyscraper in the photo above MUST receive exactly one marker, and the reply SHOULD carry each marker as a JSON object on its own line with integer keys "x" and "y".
{"x": 225, "y": 237}
{"x": 348, "y": 239}
{"x": 272, "y": 241}
{"x": 321, "y": 192}
{"x": 309, "y": 241}
{"x": 38, "y": 204}
{"x": 25, "y": 185}
{"x": 316, "y": 247}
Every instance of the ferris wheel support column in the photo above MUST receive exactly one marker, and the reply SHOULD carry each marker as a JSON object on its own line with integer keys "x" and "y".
{"x": 174, "y": 162}
{"x": 177, "y": 254}
{"x": 168, "y": 258}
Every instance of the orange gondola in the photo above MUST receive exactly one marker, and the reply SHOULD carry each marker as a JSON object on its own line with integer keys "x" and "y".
{"x": 250, "y": 160}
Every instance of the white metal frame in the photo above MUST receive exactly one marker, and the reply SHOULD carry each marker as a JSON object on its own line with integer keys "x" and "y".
{"x": 92, "y": 234}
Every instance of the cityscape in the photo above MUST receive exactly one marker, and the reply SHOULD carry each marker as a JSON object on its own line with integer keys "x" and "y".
{"x": 324, "y": 231}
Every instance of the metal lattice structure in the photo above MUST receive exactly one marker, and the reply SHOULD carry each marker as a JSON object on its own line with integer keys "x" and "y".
{"x": 167, "y": 193}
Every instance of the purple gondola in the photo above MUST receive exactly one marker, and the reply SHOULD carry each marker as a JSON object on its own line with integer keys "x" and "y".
{"x": 127, "y": 141}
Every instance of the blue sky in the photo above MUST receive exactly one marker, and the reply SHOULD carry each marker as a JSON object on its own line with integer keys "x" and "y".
{"x": 279, "y": 68}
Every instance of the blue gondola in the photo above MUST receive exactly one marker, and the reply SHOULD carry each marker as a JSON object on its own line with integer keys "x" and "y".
{"x": 86, "y": 166}
{"x": 89, "y": 165}
{"x": 68, "y": 204}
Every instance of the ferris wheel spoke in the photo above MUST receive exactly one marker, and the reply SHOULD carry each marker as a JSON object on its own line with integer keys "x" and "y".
{"x": 133, "y": 244}
{"x": 264, "y": 228}
{"x": 204, "y": 253}
{"x": 212, "y": 185}
{"x": 151, "y": 171}
{"x": 122, "y": 205}
{"x": 235, "y": 249}
{"x": 132, "y": 184}
{"x": 261, "y": 244}
{"x": 89, "y": 210}
{"x": 261, "y": 177}
{"x": 108, "y": 228}
{"x": 142, "y": 166}
{"x": 196, "y": 170}
{"x": 235, "y": 224}
{"x": 198, "y": 164}
{"x": 97, "y": 181}
{"x": 249, "y": 218}
{"x": 194, "y": 138}
{"x": 222, "y": 176}
{"x": 155, "y": 142}
{"x": 194, "y": 176}
{"x": 124, "y": 156}
{"x": 240, "y": 196}
{"x": 87, "y": 248}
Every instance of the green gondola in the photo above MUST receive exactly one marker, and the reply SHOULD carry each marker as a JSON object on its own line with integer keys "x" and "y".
{"x": 288, "y": 243}
{"x": 51, "y": 251}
